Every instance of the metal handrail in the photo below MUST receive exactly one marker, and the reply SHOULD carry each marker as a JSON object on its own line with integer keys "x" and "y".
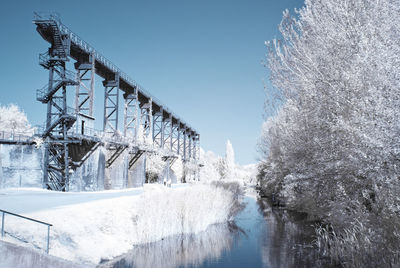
{"x": 26, "y": 218}
{"x": 100, "y": 58}
{"x": 14, "y": 136}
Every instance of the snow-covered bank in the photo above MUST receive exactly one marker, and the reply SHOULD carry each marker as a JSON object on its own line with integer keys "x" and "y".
{"x": 91, "y": 226}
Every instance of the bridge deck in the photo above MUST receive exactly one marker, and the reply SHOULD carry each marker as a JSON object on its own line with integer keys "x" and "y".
{"x": 16, "y": 138}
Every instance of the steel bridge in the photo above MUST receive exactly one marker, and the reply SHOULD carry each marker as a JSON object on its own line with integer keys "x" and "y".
{"x": 148, "y": 125}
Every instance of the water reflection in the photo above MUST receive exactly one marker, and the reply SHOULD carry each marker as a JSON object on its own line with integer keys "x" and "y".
{"x": 180, "y": 250}
{"x": 262, "y": 237}
{"x": 288, "y": 239}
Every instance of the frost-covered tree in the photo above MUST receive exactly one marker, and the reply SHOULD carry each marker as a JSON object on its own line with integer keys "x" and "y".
{"x": 209, "y": 169}
{"x": 13, "y": 120}
{"x": 333, "y": 148}
{"x": 213, "y": 168}
{"x": 220, "y": 166}
{"x": 229, "y": 160}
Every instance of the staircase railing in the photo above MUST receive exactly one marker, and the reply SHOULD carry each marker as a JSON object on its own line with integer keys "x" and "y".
{"x": 4, "y": 212}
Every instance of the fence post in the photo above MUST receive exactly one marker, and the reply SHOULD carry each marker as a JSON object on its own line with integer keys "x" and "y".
{"x": 2, "y": 224}
{"x": 48, "y": 238}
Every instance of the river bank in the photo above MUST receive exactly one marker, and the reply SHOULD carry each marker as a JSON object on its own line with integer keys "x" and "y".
{"x": 88, "y": 227}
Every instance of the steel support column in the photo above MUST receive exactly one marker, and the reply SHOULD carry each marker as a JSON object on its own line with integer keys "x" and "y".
{"x": 193, "y": 149}
{"x": 196, "y": 147}
{"x": 189, "y": 154}
{"x": 111, "y": 102}
{"x": 146, "y": 118}
{"x": 84, "y": 94}
{"x": 179, "y": 139}
{"x": 185, "y": 145}
{"x": 158, "y": 129}
{"x": 175, "y": 138}
{"x": 131, "y": 115}
{"x": 167, "y": 131}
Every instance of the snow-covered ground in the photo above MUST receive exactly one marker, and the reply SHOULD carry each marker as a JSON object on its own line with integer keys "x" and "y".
{"x": 88, "y": 226}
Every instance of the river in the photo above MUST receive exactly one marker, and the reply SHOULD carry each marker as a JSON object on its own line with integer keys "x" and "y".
{"x": 261, "y": 236}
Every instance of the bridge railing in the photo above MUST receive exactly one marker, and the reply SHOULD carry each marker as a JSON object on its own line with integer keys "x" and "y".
{"x": 87, "y": 131}
{"x": 4, "y": 212}
{"x": 14, "y": 136}
{"x": 40, "y": 15}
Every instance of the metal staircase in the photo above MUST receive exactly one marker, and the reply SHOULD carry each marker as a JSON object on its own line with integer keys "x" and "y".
{"x": 67, "y": 79}
{"x": 60, "y": 118}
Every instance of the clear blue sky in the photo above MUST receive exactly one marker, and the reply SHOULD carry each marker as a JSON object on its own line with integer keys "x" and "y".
{"x": 203, "y": 59}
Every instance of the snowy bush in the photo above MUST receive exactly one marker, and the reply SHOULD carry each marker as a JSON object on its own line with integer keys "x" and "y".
{"x": 336, "y": 70}
{"x": 154, "y": 167}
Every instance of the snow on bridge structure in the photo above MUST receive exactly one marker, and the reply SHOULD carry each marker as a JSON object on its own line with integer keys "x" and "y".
{"x": 68, "y": 132}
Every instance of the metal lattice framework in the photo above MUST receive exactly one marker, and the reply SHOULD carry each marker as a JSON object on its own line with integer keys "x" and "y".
{"x": 85, "y": 88}
{"x": 158, "y": 131}
{"x": 69, "y": 135}
{"x": 131, "y": 115}
{"x": 167, "y": 127}
{"x": 111, "y": 103}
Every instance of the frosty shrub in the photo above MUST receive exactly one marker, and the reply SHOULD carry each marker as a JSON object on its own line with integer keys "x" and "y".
{"x": 154, "y": 167}
{"x": 333, "y": 149}
{"x": 13, "y": 120}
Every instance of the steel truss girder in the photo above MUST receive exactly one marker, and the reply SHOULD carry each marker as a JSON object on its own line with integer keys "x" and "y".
{"x": 111, "y": 102}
